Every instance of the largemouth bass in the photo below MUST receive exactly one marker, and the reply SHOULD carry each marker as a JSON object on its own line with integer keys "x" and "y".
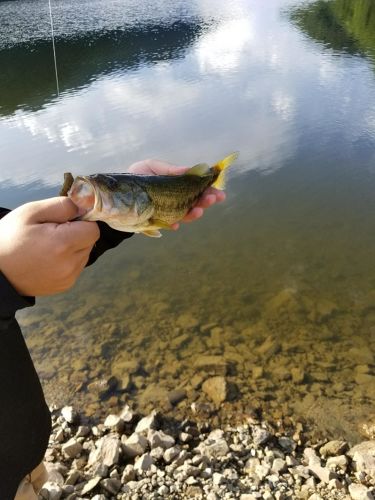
{"x": 143, "y": 203}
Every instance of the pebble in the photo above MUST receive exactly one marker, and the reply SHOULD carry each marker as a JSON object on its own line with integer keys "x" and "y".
{"x": 247, "y": 462}
{"x": 360, "y": 492}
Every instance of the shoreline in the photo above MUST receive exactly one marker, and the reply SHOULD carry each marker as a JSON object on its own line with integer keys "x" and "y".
{"x": 130, "y": 456}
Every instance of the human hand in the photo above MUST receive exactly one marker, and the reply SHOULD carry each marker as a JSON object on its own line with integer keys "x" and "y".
{"x": 42, "y": 251}
{"x": 156, "y": 167}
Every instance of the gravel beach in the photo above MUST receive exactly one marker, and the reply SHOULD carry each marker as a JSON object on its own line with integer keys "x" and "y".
{"x": 130, "y": 456}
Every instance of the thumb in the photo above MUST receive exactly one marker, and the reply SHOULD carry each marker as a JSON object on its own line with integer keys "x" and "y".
{"x": 59, "y": 209}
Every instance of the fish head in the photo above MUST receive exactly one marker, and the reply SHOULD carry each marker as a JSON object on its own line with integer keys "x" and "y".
{"x": 106, "y": 196}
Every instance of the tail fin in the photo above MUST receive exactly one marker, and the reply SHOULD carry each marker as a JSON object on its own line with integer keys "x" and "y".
{"x": 220, "y": 168}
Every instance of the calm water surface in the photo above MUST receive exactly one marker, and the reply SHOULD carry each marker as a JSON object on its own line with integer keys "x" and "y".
{"x": 278, "y": 283}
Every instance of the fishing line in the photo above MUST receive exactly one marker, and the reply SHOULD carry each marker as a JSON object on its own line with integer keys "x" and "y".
{"x": 53, "y": 47}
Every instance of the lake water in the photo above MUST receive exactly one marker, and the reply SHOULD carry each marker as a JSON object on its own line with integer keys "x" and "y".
{"x": 275, "y": 288}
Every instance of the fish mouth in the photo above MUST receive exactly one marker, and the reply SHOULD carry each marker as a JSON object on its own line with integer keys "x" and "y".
{"x": 85, "y": 193}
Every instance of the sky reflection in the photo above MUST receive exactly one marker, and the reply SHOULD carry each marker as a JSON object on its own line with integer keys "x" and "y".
{"x": 248, "y": 83}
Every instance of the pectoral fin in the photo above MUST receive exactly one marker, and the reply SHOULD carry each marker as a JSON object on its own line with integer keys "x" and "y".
{"x": 153, "y": 233}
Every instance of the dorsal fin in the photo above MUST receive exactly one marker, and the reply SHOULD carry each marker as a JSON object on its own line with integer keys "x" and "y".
{"x": 200, "y": 170}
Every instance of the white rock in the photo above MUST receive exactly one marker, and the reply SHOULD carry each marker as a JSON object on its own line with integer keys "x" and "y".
{"x": 143, "y": 463}
{"x": 340, "y": 462}
{"x": 323, "y": 473}
{"x": 163, "y": 490}
{"x": 218, "y": 478}
{"x": 114, "y": 422}
{"x": 134, "y": 445}
{"x": 90, "y": 485}
{"x": 171, "y": 453}
{"x": 126, "y": 414}
{"x": 98, "y": 497}
{"x": 82, "y": 431}
{"x": 360, "y": 492}
{"x": 214, "y": 446}
{"x": 159, "y": 439}
{"x": 107, "y": 451}
{"x": 147, "y": 423}
{"x": 69, "y": 414}
{"x": 51, "y": 491}
{"x": 71, "y": 448}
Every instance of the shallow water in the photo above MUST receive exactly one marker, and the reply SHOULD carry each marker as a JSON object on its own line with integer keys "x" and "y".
{"x": 278, "y": 283}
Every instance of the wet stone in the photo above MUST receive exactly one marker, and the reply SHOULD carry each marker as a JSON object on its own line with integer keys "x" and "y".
{"x": 216, "y": 389}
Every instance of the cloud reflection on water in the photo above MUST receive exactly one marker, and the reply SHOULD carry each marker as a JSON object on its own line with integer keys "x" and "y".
{"x": 240, "y": 86}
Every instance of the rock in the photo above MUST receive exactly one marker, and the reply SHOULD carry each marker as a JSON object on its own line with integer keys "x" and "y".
{"x": 70, "y": 415}
{"x": 171, "y": 453}
{"x": 99, "y": 497}
{"x": 177, "y": 396}
{"x": 360, "y": 492}
{"x": 157, "y": 453}
{"x": 298, "y": 375}
{"x": 216, "y": 389}
{"x": 212, "y": 364}
{"x": 72, "y": 477}
{"x": 143, "y": 463}
{"x": 257, "y": 372}
{"x": 194, "y": 491}
{"x": 55, "y": 473}
{"x": 269, "y": 348}
{"x": 114, "y": 422}
{"x": 128, "y": 474}
{"x": 323, "y": 473}
{"x": 126, "y": 414}
{"x": 147, "y": 423}
{"x": 333, "y": 448}
{"x": 91, "y": 485}
{"x": 107, "y": 451}
{"x": 187, "y": 320}
{"x": 260, "y": 435}
{"x": 159, "y": 439}
{"x": 367, "y": 447}
{"x": 311, "y": 457}
{"x": 111, "y": 485}
{"x": 163, "y": 491}
{"x": 365, "y": 379}
{"x": 72, "y": 448}
{"x": 51, "y": 491}
{"x": 134, "y": 445}
{"x": 214, "y": 446}
{"x": 82, "y": 431}
{"x": 287, "y": 444}
{"x": 218, "y": 478}
{"x": 279, "y": 466}
{"x": 99, "y": 469}
{"x": 340, "y": 462}
{"x": 363, "y": 456}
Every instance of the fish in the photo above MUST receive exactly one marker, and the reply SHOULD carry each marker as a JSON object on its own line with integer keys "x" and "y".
{"x": 143, "y": 203}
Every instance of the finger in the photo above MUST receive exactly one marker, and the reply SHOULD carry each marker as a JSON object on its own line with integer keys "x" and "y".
{"x": 79, "y": 235}
{"x": 175, "y": 226}
{"x": 59, "y": 209}
{"x": 206, "y": 200}
{"x": 220, "y": 195}
{"x": 164, "y": 168}
{"x": 195, "y": 213}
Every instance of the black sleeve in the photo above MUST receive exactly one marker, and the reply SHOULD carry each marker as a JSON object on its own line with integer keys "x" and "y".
{"x": 109, "y": 238}
{"x": 25, "y": 421}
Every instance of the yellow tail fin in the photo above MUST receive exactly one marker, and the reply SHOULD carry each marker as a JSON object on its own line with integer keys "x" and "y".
{"x": 220, "y": 168}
